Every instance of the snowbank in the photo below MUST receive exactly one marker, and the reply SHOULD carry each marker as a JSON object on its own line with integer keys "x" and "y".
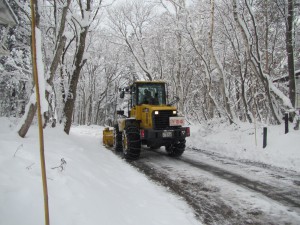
{"x": 244, "y": 142}
{"x": 94, "y": 186}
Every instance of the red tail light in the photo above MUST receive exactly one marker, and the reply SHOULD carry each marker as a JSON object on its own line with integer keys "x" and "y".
{"x": 142, "y": 133}
{"x": 188, "y": 132}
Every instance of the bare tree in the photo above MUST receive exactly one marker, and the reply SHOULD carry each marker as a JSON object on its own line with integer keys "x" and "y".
{"x": 88, "y": 15}
{"x": 60, "y": 43}
{"x": 290, "y": 42}
{"x": 130, "y": 22}
{"x": 239, "y": 63}
{"x": 252, "y": 46}
{"x": 31, "y": 107}
{"x": 218, "y": 65}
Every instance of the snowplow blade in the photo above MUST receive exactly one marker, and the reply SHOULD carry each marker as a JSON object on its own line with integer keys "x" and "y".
{"x": 108, "y": 137}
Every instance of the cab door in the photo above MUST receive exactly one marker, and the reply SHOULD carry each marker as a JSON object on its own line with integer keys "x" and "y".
{"x": 133, "y": 111}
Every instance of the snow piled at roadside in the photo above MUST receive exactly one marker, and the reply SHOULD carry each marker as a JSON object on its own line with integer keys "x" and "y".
{"x": 93, "y": 187}
{"x": 97, "y": 187}
{"x": 244, "y": 142}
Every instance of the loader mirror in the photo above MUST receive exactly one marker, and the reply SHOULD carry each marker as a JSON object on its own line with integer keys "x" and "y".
{"x": 122, "y": 94}
{"x": 120, "y": 112}
{"x": 176, "y": 99}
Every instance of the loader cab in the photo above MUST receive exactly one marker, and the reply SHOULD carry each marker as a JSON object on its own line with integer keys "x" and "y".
{"x": 152, "y": 93}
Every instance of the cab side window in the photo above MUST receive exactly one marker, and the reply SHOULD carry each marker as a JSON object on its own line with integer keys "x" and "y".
{"x": 133, "y": 94}
{"x": 141, "y": 95}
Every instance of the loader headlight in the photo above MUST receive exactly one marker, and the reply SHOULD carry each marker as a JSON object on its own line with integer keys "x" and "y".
{"x": 174, "y": 112}
{"x": 156, "y": 112}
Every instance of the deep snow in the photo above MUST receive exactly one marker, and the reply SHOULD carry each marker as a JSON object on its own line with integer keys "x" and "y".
{"x": 244, "y": 141}
{"x": 97, "y": 187}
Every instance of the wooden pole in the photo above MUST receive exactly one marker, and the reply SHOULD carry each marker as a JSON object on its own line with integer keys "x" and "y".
{"x": 40, "y": 122}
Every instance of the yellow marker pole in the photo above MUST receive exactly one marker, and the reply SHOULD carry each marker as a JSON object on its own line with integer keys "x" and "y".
{"x": 41, "y": 135}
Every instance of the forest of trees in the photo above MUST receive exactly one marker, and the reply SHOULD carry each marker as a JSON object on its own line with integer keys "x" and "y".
{"x": 219, "y": 57}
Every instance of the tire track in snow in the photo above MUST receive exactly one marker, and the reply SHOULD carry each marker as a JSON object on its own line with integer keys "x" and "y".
{"x": 285, "y": 198}
{"x": 216, "y": 211}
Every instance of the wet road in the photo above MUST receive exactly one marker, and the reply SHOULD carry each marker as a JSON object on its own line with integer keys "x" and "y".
{"x": 223, "y": 190}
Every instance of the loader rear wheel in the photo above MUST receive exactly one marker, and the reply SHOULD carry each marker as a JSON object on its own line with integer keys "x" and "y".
{"x": 117, "y": 144}
{"x": 131, "y": 143}
{"x": 176, "y": 149}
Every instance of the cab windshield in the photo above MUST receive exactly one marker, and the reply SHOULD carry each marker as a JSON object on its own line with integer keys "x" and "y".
{"x": 153, "y": 94}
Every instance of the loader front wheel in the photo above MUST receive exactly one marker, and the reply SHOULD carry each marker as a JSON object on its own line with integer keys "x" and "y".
{"x": 117, "y": 144}
{"x": 176, "y": 149}
{"x": 131, "y": 143}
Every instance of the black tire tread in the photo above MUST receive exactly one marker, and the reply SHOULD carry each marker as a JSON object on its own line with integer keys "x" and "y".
{"x": 117, "y": 139}
{"x": 176, "y": 149}
{"x": 134, "y": 143}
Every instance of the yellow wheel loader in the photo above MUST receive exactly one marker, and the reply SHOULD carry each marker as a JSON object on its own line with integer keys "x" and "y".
{"x": 150, "y": 121}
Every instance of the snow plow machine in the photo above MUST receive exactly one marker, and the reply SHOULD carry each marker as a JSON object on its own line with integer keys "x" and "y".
{"x": 150, "y": 121}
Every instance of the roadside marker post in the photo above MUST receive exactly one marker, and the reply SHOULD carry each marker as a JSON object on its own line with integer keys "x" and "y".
{"x": 265, "y": 134}
{"x": 286, "y": 122}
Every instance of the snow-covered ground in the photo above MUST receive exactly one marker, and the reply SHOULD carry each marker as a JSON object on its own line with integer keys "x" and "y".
{"x": 95, "y": 186}
{"x": 245, "y": 142}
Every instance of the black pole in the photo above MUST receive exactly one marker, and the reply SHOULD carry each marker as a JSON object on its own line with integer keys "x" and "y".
{"x": 286, "y": 122}
{"x": 265, "y": 137}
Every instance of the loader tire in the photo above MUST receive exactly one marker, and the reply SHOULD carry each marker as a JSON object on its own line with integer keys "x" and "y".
{"x": 117, "y": 144}
{"x": 176, "y": 149}
{"x": 131, "y": 143}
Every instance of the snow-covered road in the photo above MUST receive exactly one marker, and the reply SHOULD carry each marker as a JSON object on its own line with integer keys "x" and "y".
{"x": 223, "y": 190}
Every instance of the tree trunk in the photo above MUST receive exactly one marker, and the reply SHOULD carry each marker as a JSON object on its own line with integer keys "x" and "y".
{"x": 290, "y": 50}
{"x": 222, "y": 84}
{"x": 90, "y": 111}
{"x": 69, "y": 106}
{"x": 243, "y": 96}
{"x": 33, "y": 106}
{"x": 27, "y": 122}
{"x": 178, "y": 79}
{"x": 59, "y": 47}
